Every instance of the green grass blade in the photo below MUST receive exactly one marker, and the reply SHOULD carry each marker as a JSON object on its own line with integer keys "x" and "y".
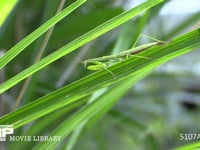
{"x": 101, "y": 79}
{"x": 18, "y": 48}
{"x": 5, "y": 8}
{"x": 192, "y": 146}
{"x": 105, "y": 27}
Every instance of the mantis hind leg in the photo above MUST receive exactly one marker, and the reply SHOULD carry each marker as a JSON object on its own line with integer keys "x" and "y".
{"x": 147, "y": 37}
{"x": 138, "y": 56}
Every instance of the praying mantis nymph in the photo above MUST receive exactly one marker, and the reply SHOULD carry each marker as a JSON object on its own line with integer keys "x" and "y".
{"x": 101, "y": 63}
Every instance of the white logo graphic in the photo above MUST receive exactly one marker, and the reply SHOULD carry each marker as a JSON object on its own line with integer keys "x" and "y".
{"x": 5, "y": 130}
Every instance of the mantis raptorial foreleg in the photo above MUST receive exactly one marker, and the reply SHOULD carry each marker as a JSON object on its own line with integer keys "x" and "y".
{"x": 96, "y": 66}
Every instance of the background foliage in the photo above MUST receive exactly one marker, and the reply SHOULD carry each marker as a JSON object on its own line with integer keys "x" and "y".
{"x": 97, "y": 110}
